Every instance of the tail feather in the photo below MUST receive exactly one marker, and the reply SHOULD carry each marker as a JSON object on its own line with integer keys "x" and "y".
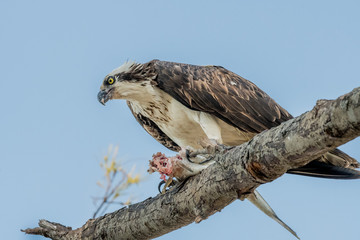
{"x": 334, "y": 164}
{"x": 324, "y": 170}
{"x": 260, "y": 203}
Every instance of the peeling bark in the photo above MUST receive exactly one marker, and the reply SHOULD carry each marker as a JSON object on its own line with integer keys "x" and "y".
{"x": 237, "y": 172}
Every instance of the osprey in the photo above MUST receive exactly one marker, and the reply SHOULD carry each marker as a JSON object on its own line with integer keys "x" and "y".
{"x": 182, "y": 105}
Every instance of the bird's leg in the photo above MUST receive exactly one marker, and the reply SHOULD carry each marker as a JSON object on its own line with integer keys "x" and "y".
{"x": 178, "y": 167}
{"x": 204, "y": 155}
{"x": 187, "y": 163}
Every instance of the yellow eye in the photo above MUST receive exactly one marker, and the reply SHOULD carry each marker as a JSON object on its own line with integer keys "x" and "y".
{"x": 110, "y": 80}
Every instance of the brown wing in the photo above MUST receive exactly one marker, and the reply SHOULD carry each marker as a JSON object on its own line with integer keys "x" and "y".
{"x": 154, "y": 130}
{"x": 241, "y": 103}
{"x": 222, "y": 93}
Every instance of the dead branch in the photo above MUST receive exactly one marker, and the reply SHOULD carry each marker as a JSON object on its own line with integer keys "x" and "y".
{"x": 237, "y": 172}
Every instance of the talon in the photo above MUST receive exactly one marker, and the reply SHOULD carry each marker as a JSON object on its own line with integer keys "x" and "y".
{"x": 160, "y": 184}
{"x": 167, "y": 183}
{"x": 198, "y": 154}
{"x": 187, "y": 154}
{"x": 206, "y": 160}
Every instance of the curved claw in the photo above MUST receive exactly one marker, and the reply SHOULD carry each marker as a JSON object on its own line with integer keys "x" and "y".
{"x": 189, "y": 154}
{"x": 160, "y": 184}
{"x": 168, "y": 183}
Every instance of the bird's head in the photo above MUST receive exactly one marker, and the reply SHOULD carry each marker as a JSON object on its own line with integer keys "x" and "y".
{"x": 124, "y": 82}
{"x": 107, "y": 89}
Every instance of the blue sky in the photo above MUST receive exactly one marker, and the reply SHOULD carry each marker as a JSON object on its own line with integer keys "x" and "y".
{"x": 53, "y": 132}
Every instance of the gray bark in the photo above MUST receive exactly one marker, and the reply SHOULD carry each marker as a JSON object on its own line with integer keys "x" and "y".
{"x": 236, "y": 173}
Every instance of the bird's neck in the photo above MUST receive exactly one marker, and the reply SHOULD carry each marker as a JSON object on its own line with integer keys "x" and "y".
{"x": 141, "y": 92}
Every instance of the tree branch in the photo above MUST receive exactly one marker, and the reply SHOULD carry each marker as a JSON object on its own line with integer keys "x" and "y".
{"x": 236, "y": 173}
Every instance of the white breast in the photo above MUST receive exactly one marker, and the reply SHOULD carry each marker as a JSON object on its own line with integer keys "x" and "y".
{"x": 173, "y": 118}
{"x": 184, "y": 126}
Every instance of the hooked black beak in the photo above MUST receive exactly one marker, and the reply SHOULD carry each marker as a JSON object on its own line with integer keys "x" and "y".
{"x": 104, "y": 96}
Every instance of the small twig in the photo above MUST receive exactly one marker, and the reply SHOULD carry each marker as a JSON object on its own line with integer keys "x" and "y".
{"x": 113, "y": 184}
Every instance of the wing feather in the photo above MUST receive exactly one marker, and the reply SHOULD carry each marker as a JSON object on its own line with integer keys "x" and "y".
{"x": 222, "y": 93}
